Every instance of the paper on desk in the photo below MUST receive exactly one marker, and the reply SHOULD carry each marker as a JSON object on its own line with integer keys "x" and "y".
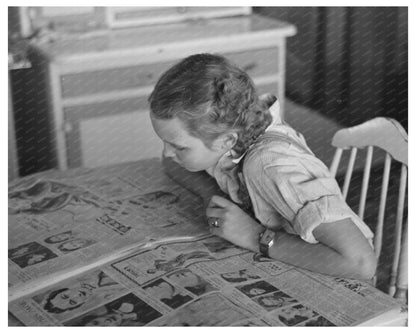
{"x": 65, "y": 223}
{"x": 206, "y": 282}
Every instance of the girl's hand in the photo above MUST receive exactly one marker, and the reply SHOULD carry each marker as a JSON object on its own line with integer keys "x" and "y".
{"x": 233, "y": 224}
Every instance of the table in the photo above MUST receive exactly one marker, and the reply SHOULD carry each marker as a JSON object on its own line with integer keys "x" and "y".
{"x": 136, "y": 246}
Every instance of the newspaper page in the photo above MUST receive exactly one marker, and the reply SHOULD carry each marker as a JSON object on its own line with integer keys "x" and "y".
{"x": 62, "y": 221}
{"x": 202, "y": 282}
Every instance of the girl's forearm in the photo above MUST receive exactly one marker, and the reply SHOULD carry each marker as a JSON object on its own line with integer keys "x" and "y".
{"x": 291, "y": 249}
{"x": 287, "y": 248}
{"x": 199, "y": 183}
{"x": 316, "y": 257}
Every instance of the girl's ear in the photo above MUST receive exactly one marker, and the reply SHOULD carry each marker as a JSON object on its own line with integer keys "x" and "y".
{"x": 226, "y": 141}
{"x": 230, "y": 140}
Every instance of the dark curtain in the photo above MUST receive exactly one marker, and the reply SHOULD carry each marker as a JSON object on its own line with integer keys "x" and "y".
{"x": 349, "y": 63}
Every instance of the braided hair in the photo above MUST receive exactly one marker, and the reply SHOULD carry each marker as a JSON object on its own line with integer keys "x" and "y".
{"x": 212, "y": 97}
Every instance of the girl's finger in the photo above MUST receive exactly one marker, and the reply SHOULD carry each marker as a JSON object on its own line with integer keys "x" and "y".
{"x": 215, "y": 231}
{"x": 217, "y": 201}
{"x": 215, "y": 212}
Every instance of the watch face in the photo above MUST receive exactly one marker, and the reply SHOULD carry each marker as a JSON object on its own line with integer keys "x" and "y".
{"x": 266, "y": 241}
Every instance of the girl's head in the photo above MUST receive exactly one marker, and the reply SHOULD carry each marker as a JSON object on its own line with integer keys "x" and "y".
{"x": 205, "y": 102}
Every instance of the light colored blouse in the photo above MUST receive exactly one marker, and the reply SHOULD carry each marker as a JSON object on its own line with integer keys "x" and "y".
{"x": 289, "y": 186}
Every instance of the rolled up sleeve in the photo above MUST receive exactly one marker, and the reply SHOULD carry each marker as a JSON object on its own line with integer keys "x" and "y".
{"x": 305, "y": 194}
{"x": 327, "y": 209}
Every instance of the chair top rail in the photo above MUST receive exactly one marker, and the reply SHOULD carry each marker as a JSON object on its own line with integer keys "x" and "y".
{"x": 385, "y": 133}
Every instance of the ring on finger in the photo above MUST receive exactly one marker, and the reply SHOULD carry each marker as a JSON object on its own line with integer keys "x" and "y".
{"x": 215, "y": 223}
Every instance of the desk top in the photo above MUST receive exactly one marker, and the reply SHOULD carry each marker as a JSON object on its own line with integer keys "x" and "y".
{"x": 133, "y": 245}
{"x": 102, "y": 41}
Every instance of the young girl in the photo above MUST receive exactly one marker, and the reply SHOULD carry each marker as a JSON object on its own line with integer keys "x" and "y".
{"x": 276, "y": 197}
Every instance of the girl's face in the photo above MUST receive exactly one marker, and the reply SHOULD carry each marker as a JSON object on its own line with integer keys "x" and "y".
{"x": 186, "y": 150}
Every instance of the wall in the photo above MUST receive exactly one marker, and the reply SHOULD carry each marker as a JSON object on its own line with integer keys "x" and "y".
{"x": 27, "y": 105}
{"x": 349, "y": 63}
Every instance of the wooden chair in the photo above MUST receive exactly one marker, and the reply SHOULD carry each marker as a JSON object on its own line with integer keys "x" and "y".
{"x": 389, "y": 135}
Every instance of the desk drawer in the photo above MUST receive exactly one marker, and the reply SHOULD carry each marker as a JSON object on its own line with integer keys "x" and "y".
{"x": 117, "y": 131}
{"x": 257, "y": 63}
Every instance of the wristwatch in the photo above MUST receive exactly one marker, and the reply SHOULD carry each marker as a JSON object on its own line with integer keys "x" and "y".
{"x": 266, "y": 241}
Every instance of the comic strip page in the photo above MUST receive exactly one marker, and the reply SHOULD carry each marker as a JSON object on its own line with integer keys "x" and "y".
{"x": 59, "y": 222}
{"x": 202, "y": 282}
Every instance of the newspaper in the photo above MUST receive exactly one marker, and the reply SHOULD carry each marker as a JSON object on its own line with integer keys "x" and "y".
{"x": 206, "y": 281}
{"x": 61, "y": 223}
{"x": 126, "y": 246}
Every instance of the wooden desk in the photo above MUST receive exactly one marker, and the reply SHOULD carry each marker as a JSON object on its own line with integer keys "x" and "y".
{"x": 135, "y": 244}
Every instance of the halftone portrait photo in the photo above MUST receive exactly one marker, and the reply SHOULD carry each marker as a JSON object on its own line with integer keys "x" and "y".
{"x": 79, "y": 294}
{"x": 30, "y": 254}
{"x": 128, "y": 310}
{"x": 167, "y": 293}
{"x": 191, "y": 282}
{"x": 274, "y": 300}
{"x": 295, "y": 314}
{"x": 256, "y": 288}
